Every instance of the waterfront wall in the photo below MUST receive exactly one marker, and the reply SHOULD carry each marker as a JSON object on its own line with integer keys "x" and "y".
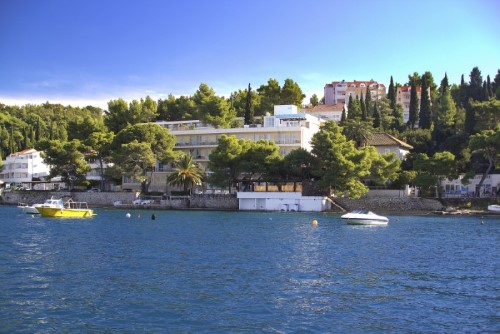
{"x": 94, "y": 199}
{"x": 216, "y": 202}
{"x": 391, "y": 204}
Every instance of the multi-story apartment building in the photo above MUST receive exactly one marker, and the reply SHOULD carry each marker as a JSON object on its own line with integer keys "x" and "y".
{"x": 288, "y": 128}
{"x": 23, "y": 167}
{"x": 339, "y": 91}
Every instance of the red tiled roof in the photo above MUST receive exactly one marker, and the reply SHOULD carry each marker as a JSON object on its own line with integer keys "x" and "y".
{"x": 385, "y": 139}
{"x": 26, "y": 151}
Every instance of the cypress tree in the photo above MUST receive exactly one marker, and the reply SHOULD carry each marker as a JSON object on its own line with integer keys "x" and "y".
{"x": 425, "y": 106}
{"x": 362, "y": 107}
{"x": 488, "y": 84}
{"x": 496, "y": 83}
{"x": 444, "y": 84}
{"x": 463, "y": 93}
{"x": 343, "y": 117}
{"x": 391, "y": 94}
{"x": 350, "y": 108}
{"x": 368, "y": 102}
{"x": 248, "y": 107}
{"x": 413, "y": 110}
{"x": 486, "y": 93}
{"x": 376, "y": 117}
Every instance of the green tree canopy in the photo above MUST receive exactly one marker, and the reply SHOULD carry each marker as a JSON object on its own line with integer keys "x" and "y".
{"x": 291, "y": 93}
{"x": 213, "y": 109}
{"x": 66, "y": 160}
{"x": 225, "y": 161}
{"x": 487, "y": 144}
{"x": 432, "y": 171}
{"x": 259, "y": 158}
{"x": 340, "y": 165}
{"x": 160, "y": 145}
{"x": 314, "y": 100}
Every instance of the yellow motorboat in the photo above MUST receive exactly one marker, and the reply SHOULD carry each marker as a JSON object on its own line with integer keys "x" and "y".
{"x": 70, "y": 209}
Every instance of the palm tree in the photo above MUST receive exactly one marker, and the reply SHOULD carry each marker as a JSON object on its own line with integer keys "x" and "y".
{"x": 358, "y": 131}
{"x": 186, "y": 173}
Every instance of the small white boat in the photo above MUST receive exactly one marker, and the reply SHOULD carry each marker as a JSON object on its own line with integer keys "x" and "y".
{"x": 364, "y": 217}
{"x": 30, "y": 209}
{"x": 494, "y": 208}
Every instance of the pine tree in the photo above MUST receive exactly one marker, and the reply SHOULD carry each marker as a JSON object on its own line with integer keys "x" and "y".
{"x": 476, "y": 85}
{"x": 413, "y": 110}
{"x": 425, "y": 106}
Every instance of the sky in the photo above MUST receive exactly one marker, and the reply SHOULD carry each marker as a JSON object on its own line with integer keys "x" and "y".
{"x": 88, "y": 52}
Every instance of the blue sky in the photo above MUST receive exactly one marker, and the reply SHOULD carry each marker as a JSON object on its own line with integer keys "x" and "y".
{"x": 87, "y": 52}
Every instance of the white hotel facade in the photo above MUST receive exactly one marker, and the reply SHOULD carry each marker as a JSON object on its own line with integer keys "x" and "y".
{"x": 23, "y": 167}
{"x": 288, "y": 128}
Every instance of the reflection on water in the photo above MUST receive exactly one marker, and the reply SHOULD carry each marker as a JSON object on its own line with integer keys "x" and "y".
{"x": 255, "y": 272}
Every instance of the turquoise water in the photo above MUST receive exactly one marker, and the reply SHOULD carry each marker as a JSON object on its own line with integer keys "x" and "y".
{"x": 227, "y": 272}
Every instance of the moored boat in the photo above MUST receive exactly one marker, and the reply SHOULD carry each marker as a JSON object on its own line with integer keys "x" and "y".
{"x": 33, "y": 209}
{"x": 30, "y": 209}
{"x": 70, "y": 209}
{"x": 364, "y": 217}
{"x": 494, "y": 208}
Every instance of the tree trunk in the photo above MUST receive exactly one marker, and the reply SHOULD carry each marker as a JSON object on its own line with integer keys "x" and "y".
{"x": 101, "y": 172}
{"x": 485, "y": 174}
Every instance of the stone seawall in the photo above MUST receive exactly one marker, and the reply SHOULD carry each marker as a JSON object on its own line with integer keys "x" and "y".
{"x": 392, "y": 204}
{"x": 216, "y": 202}
{"x": 106, "y": 199}
{"x": 97, "y": 199}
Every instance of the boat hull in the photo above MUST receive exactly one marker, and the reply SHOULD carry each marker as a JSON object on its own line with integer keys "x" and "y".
{"x": 353, "y": 221}
{"x": 65, "y": 213}
{"x": 494, "y": 208}
{"x": 29, "y": 210}
{"x": 364, "y": 217}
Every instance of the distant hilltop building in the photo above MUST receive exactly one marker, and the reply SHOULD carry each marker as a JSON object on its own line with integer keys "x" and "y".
{"x": 339, "y": 91}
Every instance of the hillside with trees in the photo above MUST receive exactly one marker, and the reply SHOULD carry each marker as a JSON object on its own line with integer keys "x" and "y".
{"x": 453, "y": 126}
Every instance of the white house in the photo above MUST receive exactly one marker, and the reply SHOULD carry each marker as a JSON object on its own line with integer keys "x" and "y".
{"x": 456, "y": 188}
{"x": 23, "y": 167}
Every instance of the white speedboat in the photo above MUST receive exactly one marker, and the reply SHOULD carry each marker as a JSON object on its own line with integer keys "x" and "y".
{"x": 494, "y": 208}
{"x": 364, "y": 217}
{"x": 28, "y": 208}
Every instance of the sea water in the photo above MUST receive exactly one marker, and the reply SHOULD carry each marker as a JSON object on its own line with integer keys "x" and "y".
{"x": 229, "y": 272}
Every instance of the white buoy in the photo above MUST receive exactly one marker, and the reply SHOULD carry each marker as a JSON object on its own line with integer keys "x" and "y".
{"x": 314, "y": 222}
{"x": 127, "y": 215}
